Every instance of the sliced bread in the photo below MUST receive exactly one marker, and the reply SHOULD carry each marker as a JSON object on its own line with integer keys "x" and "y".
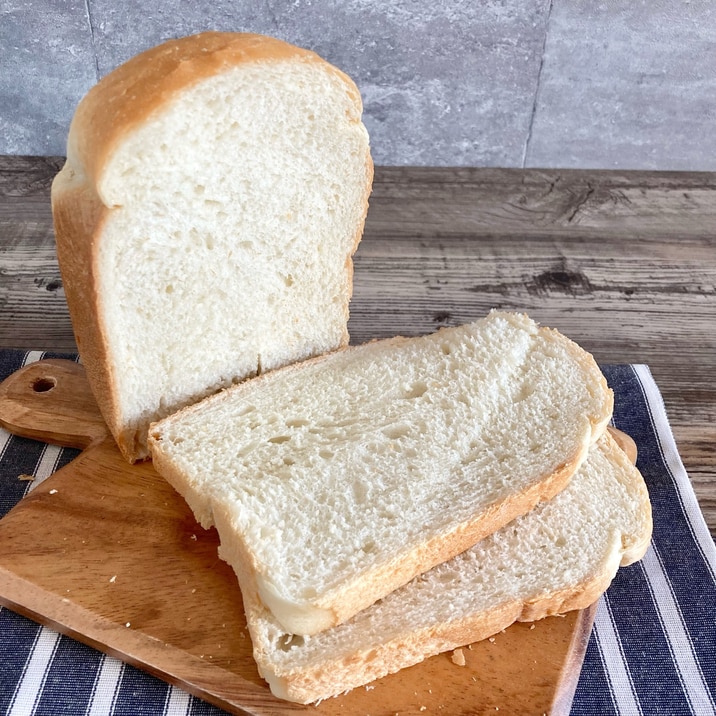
{"x": 335, "y": 481}
{"x": 214, "y": 192}
{"x": 559, "y": 557}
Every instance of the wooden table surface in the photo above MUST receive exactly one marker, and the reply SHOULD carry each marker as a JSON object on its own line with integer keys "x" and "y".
{"x": 622, "y": 262}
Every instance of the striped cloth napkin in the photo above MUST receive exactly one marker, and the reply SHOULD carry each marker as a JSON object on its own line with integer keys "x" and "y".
{"x": 652, "y": 649}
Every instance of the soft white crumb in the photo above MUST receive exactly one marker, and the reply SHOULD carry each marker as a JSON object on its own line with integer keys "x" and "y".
{"x": 53, "y": 492}
{"x": 113, "y": 579}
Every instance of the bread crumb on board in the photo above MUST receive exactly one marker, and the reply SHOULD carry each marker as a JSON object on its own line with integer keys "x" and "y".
{"x": 458, "y": 657}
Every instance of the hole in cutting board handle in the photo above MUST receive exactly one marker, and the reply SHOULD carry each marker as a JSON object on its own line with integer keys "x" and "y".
{"x": 42, "y": 385}
{"x": 50, "y": 400}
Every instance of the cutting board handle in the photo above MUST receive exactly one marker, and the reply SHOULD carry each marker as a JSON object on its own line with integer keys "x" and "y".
{"x": 51, "y": 400}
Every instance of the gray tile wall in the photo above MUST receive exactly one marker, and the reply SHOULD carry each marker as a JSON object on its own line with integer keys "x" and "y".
{"x": 544, "y": 83}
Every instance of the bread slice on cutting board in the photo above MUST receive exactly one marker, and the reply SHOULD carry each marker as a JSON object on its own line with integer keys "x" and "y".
{"x": 335, "y": 481}
{"x": 215, "y": 190}
{"x": 559, "y": 557}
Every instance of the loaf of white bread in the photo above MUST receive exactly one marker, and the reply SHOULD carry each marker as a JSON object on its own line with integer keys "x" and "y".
{"x": 214, "y": 192}
{"x": 337, "y": 480}
{"x": 559, "y": 557}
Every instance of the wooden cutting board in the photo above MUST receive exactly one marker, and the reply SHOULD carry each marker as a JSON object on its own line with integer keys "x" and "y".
{"x": 109, "y": 554}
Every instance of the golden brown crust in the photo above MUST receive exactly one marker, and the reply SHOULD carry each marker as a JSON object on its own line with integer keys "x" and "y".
{"x": 79, "y": 217}
{"x": 117, "y": 105}
{"x": 635, "y": 549}
{"x": 332, "y": 677}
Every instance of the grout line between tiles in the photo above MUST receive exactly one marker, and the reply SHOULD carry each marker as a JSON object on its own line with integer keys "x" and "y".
{"x": 94, "y": 46}
{"x": 528, "y": 139}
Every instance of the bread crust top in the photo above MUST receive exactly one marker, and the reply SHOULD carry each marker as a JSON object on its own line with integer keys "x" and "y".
{"x": 125, "y": 98}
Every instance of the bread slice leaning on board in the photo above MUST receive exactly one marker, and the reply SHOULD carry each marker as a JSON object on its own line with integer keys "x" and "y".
{"x": 559, "y": 557}
{"x": 214, "y": 192}
{"x": 335, "y": 481}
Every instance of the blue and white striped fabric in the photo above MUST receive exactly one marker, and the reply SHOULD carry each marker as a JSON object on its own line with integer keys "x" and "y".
{"x": 652, "y": 650}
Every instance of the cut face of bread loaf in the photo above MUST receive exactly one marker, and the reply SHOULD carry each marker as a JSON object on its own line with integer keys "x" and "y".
{"x": 559, "y": 557}
{"x": 214, "y": 192}
{"x": 333, "y": 482}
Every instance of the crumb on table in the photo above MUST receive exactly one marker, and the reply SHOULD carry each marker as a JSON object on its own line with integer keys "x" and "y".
{"x": 458, "y": 657}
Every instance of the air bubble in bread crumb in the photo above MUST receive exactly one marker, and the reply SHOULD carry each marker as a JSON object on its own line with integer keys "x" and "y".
{"x": 458, "y": 657}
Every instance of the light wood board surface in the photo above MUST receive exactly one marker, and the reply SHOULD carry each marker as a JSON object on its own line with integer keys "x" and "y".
{"x": 622, "y": 262}
{"x": 109, "y": 553}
